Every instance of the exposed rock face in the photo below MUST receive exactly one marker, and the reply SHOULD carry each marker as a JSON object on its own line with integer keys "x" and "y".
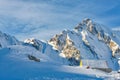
{"x": 35, "y": 43}
{"x": 31, "y": 57}
{"x": 114, "y": 47}
{"x": 66, "y": 46}
{"x": 58, "y": 41}
{"x": 70, "y": 51}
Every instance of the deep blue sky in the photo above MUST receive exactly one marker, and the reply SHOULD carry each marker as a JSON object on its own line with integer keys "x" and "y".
{"x": 44, "y": 18}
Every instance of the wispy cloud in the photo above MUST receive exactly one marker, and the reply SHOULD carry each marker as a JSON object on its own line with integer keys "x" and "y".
{"x": 43, "y": 18}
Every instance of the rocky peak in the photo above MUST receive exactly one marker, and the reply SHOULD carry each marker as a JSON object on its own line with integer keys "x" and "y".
{"x": 105, "y": 35}
{"x": 87, "y": 24}
{"x": 87, "y": 21}
{"x": 58, "y": 41}
{"x": 35, "y": 43}
{"x": 88, "y": 40}
{"x": 31, "y": 41}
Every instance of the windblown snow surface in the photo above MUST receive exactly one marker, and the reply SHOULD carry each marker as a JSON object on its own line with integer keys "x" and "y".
{"x": 14, "y": 65}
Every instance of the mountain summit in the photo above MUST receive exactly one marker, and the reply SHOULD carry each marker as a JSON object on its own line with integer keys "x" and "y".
{"x": 88, "y": 40}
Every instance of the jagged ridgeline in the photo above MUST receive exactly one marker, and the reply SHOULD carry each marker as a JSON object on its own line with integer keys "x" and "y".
{"x": 88, "y": 40}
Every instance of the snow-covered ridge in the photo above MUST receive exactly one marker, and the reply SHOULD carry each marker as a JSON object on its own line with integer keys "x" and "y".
{"x": 39, "y": 45}
{"x": 44, "y": 48}
{"x": 103, "y": 34}
{"x": 29, "y": 49}
{"x": 6, "y": 40}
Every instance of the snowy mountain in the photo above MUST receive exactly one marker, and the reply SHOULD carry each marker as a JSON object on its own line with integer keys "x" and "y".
{"x": 46, "y": 60}
{"x": 88, "y": 40}
{"x": 6, "y": 40}
{"x": 44, "y": 48}
{"x": 30, "y": 48}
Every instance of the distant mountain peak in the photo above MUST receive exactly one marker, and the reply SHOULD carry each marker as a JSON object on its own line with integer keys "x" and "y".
{"x": 87, "y": 21}
{"x": 87, "y": 24}
{"x": 6, "y": 40}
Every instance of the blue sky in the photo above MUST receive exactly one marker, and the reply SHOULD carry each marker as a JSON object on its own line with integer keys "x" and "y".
{"x": 42, "y": 19}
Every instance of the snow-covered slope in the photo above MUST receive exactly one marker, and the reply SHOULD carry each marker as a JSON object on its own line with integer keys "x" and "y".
{"x": 88, "y": 40}
{"x": 16, "y": 65}
{"x": 6, "y": 40}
